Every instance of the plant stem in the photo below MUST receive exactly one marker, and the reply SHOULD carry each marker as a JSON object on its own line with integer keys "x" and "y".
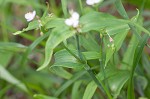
{"x": 81, "y": 7}
{"x": 102, "y": 60}
{"x": 87, "y": 67}
{"x": 71, "y": 53}
{"x": 102, "y": 56}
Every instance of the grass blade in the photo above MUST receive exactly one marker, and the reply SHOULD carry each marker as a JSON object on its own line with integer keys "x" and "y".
{"x": 137, "y": 56}
{"x": 90, "y": 90}
{"x": 4, "y": 74}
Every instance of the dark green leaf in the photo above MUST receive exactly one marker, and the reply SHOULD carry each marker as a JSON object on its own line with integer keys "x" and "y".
{"x": 57, "y": 36}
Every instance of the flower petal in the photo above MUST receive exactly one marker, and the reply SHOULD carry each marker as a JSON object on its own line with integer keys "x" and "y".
{"x": 68, "y": 22}
{"x": 30, "y": 15}
{"x": 89, "y": 2}
{"x": 75, "y": 23}
{"x": 75, "y": 16}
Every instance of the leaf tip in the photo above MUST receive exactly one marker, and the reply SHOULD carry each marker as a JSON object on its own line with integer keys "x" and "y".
{"x": 16, "y": 33}
{"x": 40, "y": 68}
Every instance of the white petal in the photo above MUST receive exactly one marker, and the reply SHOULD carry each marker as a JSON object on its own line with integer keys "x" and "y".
{"x": 89, "y": 2}
{"x": 96, "y": 1}
{"x": 75, "y": 16}
{"x": 75, "y": 24}
{"x": 68, "y": 22}
{"x": 30, "y": 16}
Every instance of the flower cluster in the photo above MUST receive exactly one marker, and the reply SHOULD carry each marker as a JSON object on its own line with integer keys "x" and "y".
{"x": 73, "y": 20}
{"x": 92, "y": 2}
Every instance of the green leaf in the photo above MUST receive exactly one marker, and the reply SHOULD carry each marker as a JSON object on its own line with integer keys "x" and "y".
{"x": 40, "y": 96}
{"x": 64, "y": 59}
{"x": 12, "y": 47}
{"x": 89, "y": 43}
{"x": 97, "y": 21}
{"x": 118, "y": 40}
{"x": 32, "y": 25}
{"x": 117, "y": 81}
{"x": 146, "y": 63}
{"x": 4, "y": 74}
{"x": 123, "y": 13}
{"x": 137, "y": 56}
{"x": 57, "y": 36}
{"x": 121, "y": 9}
{"x": 5, "y": 58}
{"x": 61, "y": 72}
{"x": 141, "y": 83}
{"x": 64, "y": 7}
{"x": 89, "y": 55}
{"x": 76, "y": 93}
{"x": 54, "y": 23}
{"x": 129, "y": 54}
{"x": 90, "y": 90}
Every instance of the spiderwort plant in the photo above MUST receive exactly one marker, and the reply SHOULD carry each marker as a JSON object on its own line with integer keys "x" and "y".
{"x": 92, "y": 48}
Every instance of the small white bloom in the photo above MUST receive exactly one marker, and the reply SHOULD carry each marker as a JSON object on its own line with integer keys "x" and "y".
{"x": 30, "y": 16}
{"x": 68, "y": 22}
{"x": 73, "y": 20}
{"x": 75, "y": 23}
{"x": 75, "y": 16}
{"x": 92, "y": 2}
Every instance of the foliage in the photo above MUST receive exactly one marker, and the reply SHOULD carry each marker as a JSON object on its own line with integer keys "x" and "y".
{"x": 105, "y": 56}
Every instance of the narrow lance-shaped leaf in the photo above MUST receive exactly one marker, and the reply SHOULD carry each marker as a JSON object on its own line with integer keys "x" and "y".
{"x": 76, "y": 93}
{"x": 40, "y": 96}
{"x": 137, "y": 56}
{"x": 64, "y": 7}
{"x": 90, "y": 89}
{"x": 121, "y": 9}
{"x": 31, "y": 26}
{"x": 11, "y": 46}
{"x": 61, "y": 72}
{"x": 56, "y": 37}
{"x": 4, "y": 74}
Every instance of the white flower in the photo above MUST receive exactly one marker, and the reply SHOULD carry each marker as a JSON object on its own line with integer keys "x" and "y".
{"x": 73, "y": 20}
{"x": 92, "y": 2}
{"x": 30, "y": 16}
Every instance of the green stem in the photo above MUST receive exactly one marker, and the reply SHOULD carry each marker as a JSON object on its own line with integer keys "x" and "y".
{"x": 87, "y": 67}
{"x": 102, "y": 56}
{"x": 102, "y": 60}
{"x": 81, "y": 7}
{"x": 71, "y": 52}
